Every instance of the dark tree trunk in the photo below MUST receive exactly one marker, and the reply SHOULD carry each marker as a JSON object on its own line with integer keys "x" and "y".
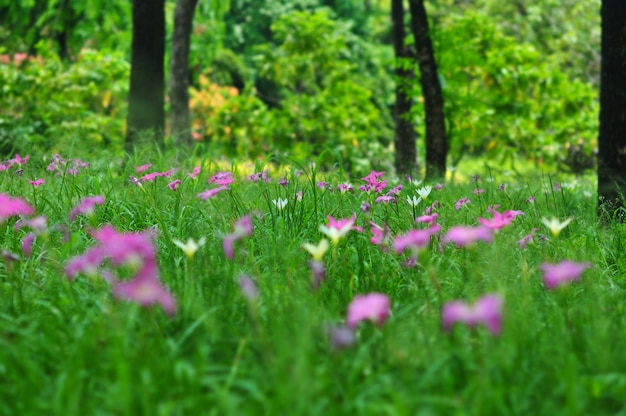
{"x": 436, "y": 140}
{"x": 612, "y": 139}
{"x": 179, "y": 71}
{"x": 146, "y": 98}
{"x": 406, "y": 153}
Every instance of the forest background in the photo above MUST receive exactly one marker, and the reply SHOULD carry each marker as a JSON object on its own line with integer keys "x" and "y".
{"x": 520, "y": 82}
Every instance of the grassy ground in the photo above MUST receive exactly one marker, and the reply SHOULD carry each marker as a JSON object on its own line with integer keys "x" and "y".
{"x": 79, "y": 346}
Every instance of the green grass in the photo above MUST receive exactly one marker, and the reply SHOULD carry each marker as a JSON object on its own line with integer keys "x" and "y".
{"x": 71, "y": 347}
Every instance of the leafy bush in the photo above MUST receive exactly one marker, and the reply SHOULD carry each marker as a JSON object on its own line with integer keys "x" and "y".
{"x": 55, "y": 106}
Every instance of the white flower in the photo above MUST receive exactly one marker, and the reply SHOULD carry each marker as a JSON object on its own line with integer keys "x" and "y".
{"x": 555, "y": 226}
{"x": 413, "y": 201}
{"x": 317, "y": 251}
{"x": 280, "y": 203}
{"x": 190, "y": 247}
{"x": 424, "y": 191}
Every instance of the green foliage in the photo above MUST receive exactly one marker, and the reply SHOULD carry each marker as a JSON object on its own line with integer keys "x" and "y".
{"x": 319, "y": 95}
{"x": 49, "y": 104}
{"x": 508, "y": 99}
{"x": 71, "y": 347}
{"x": 65, "y": 26}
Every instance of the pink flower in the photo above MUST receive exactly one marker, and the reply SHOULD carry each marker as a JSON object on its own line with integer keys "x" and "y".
{"x": 38, "y": 224}
{"x": 146, "y": 290}
{"x": 37, "y": 182}
{"x": 10, "y": 207}
{"x": 373, "y": 306}
{"x": 499, "y": 220}
{"x": 345, "y": 187}
{"x": 132, "y": 249}
{"x": 395, "y": 191}
{"x": 465, "y": 236}
{"x": 86, "y": 206}
{"x": 125, "y": 248}
{"x": 527, "y": 239}
{"x": 194, "y": 173}
{"x": 255, "y": 177}
{"x": 380, "y": 235}
{"x": 487, "y": 311}
{"x": 478, "y": 191}
{"x": 427, "y": 219}
{"x": 414, "y": 239}
{"x": 341, "y": 337}
{"x": 322, "y": 185}
{"x": 174, "y": 184}
{"x": 561, "y": 273}
{"x": 461, "y": 203}
{"x": 385, "y": 199}
{"x": 27, "y": 244}
{"x": 222, "y": 178}
{"x": 249, "y": 288}
{"x": 210, "y": 193}
{"x": 318, "y": 273}
{"x": 372, "y": 177}
{"x": 243, "y": 228}
{"x": 337, "y": 229}
{"x": 143, "y": 168}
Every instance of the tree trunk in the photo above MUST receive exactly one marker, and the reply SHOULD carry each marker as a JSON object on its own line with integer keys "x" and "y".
{"x": 146, "y": 98}
{"x": 436, "y": 140}
{"x": 612, "y": 138}
{"x": 179, "y": 71}
{"x": 406, "y": 153}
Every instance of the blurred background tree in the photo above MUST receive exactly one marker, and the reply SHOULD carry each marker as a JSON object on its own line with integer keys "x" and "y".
{"x": 519, "y": 81}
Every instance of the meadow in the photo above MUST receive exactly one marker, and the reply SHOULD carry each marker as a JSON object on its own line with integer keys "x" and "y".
{"x": 163, "y": 285}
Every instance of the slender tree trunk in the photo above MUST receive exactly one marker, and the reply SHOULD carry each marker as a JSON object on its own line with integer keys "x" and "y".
{"x": 436, "y": 140}
{"x": 179, "y": 71}
{"x": 146, "y": 98}
{"x": 406, "y": 153}
{"x": 612, "y": 139}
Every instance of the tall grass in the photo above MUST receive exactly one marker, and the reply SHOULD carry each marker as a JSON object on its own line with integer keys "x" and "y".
{"x": 70, "y": 346}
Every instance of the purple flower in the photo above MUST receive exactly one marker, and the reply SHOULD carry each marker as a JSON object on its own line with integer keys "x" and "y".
{"x": 562, "y": 273}
{"x": 486, "y": 311}
{"x": 465, "y": 236}
{"x": 86, "y": 206}
{"x": 373, "y": 307}
{"x": 37, "y": 182}
{"x": 283, "y": 182}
